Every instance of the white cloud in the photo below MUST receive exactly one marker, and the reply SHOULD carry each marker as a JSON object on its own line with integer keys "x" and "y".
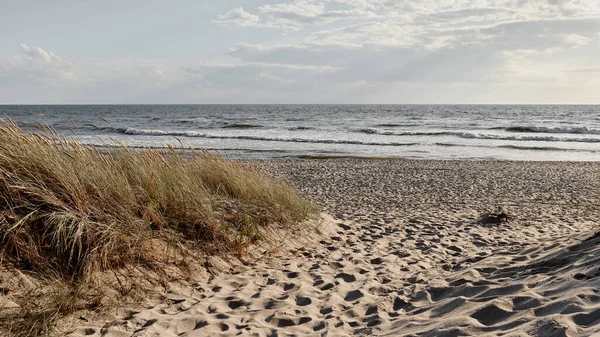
{"x": 292, "y": 16}
{"x": 38, "y": 75}
{"x": 300, "y": 14}
{"x": 273, "y": 78}
{"x": 585, "y": 70}
{"x": 297, "y": 67}
{"x": 254, "y": 75}
{"x": 403, "y": 52}
{"x": 577, "y": 39}
{"x": 428, "y": 24}
{"x": 358, "y": 35}
{"x": 37, "y": 54}
{"x": 34, "y": 63}
{"x": 239, "y": 17}
{"x": 302, "y": 11}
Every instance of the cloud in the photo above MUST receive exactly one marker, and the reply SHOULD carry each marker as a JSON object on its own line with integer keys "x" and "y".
{"x": 37, "y": 75}
{"x": 292, "y": 16}
{"x": 254, "y": 75}
{"x": 585, "y": 70}
{"x": 39, "y": 55}
{"x": 303, "y": 12}
{"x": 300, "y": 14}
{"x": 358, "y": 35}
{"x": 380, "y": 53}
{"x": 273, "y": 78}
{"x": 297, "y": 67}
{"x": 36, "y": 64}
{"x": 239, "y": 17}
{"x": 429, "y": 24}
{"x": 300, "y": 11}
{"x": 347, "y": 50}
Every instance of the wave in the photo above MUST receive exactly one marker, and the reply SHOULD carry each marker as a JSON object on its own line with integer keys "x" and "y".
{"x": 333, "y": 154}
{"x": 370, "y": 131}
{"x": 474, "y": 135}
{"x": 554, "y": 129}
{"x": 110, "y": 146}
{"x": 544, "y": 148}
{"x": 374, "y": 131}
{"x": 180, "y": 122}
{"x": 529, "y": 138}
{"x": 469, "y": 135}
{"x": 143, "y": 132}
{"x": 184, "y": 122}
{"x": 99, "y": 128}
{"x": 393, "y": 125}
{"x": 449, "y": 144}
{"x": 298, "y": 128}
{"x": 519, "y": 147}
{"x": 535, "y": 148}
{"x": 241, "y": 126}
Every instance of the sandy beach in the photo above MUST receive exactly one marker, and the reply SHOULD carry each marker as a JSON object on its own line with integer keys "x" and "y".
{"x": 405, "y": 252}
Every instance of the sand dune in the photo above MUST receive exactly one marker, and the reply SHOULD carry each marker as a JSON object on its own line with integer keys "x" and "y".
{"x": 407, "y": 256}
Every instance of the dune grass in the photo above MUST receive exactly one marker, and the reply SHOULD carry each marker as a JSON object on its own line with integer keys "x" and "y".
{"x": 69, "y": 212}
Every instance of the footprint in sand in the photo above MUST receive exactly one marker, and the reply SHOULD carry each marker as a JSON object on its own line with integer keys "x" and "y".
{"x": 353, "y": 295}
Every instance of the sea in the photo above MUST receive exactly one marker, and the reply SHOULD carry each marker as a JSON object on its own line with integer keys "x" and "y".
{"x": 488, "y": 132}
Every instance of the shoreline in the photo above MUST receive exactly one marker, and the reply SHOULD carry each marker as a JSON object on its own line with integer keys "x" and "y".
{"x": 317, "y": 157}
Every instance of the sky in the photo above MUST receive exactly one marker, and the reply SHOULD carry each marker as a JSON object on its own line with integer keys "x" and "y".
{"x": 300, "y": 51}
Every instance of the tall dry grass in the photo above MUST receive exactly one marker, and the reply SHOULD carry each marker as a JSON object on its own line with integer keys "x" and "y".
{"x": 69, "y": 211}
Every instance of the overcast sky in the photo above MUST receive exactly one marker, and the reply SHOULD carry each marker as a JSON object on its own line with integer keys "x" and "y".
{"x": 300, "y": 51}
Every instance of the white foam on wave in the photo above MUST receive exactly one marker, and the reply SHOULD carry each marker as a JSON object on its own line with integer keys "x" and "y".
{"x": 145, "y": 132}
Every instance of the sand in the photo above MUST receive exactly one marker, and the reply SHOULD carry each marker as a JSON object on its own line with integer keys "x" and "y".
{"x": 405, "y": 254}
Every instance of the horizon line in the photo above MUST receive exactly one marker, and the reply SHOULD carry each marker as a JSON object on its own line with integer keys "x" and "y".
{"x": 158, "y": 104}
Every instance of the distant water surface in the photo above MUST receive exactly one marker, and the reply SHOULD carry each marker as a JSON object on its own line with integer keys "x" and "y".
{"x": 513, "y": 132}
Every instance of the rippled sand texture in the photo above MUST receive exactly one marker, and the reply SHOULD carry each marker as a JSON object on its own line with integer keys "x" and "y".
{"x": 408, "y": 257}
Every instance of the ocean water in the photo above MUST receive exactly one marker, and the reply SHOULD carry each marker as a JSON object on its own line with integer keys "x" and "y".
{"x": 505, "y": 132}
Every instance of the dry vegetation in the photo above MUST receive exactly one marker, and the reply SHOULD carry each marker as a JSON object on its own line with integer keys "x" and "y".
{"x": 69, "y": 213}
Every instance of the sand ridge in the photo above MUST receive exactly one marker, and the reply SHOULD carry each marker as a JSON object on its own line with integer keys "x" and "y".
{"x": 408, "y": 258}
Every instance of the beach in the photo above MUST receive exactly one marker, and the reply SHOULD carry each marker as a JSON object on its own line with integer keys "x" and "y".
{"x": 290, "y": 168}
{"x": 407, "y": 248}
{"x": 300, "y": 168}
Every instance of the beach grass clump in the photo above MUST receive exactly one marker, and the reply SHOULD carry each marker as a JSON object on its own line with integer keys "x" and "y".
{"x": 69, "y": 212}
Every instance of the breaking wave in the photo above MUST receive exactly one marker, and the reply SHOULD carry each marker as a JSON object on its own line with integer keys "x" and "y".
{"x": 490, "y": 136}
{"x": 543, "y": 129}
{"x": 143, "y": 132}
